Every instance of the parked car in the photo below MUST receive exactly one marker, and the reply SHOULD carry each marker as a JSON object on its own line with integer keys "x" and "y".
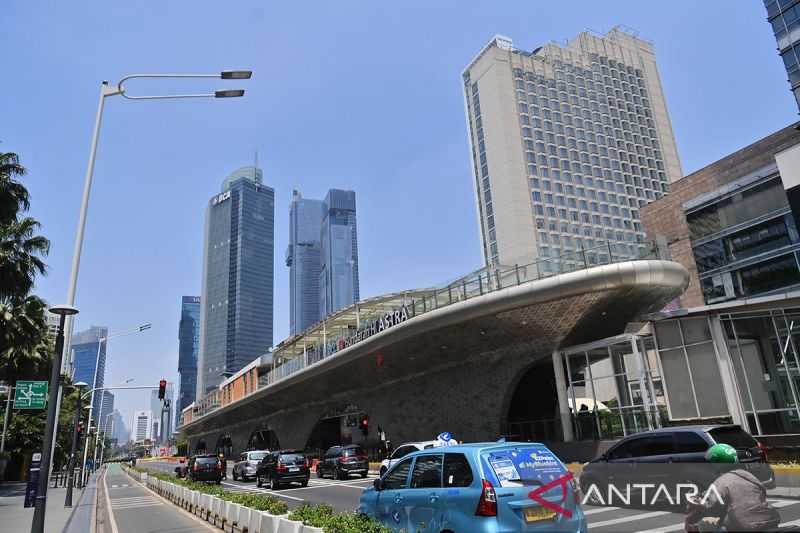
{"x": 403, "y": 450}
{"x": 475, "y": 487}
{"x": 280, "y": 467}
{"x": 341, "y": 461}
{"x": 673, "y": 455}
{"x": 206, "y": 467}
{"x": 247, "y": 464}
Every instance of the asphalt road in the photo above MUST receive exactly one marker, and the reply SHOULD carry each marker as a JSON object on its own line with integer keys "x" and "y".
{"x": 344, "y": 496}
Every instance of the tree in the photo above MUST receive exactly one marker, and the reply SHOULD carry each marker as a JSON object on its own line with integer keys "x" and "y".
{"x": 13, "y": 195}
{"x": 20, "y": 257}
{"x": 25, "y": 345}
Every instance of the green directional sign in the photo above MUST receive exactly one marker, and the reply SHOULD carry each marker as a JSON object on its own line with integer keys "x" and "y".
{"x": 30, "y": 395}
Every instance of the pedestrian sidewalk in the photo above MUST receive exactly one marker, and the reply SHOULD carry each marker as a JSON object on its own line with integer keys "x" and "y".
{"x": 17, "y": 518}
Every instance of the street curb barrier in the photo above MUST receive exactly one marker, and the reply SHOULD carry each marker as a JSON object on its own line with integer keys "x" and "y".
{"x": 228, "y": 516}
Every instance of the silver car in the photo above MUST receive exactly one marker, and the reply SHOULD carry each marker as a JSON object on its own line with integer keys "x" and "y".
{"x": 245, "y": 467}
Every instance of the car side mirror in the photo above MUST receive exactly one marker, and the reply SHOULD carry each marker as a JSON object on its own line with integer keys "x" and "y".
{"x": 378, "y": 484}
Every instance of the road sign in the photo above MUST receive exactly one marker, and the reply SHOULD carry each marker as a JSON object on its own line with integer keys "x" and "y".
{"x": 30, "y": 395}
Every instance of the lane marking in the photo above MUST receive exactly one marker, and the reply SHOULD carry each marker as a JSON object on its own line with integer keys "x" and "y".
{"x": 632, "y": 518}
{"x": 109, "y": 511}
{"x": 265, "y": 491}
{"x": 600, "y": 510}
{"x": 680, "y": 527}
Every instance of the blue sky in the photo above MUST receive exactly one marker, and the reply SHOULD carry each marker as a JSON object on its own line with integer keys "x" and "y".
{"x": 361, "y": 95}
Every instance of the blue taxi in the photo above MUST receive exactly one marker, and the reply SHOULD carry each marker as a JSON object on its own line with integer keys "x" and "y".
{"x": 483, "y": 487}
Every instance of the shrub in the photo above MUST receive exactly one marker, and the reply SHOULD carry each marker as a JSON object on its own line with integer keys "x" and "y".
{"x": 313, "y": 515}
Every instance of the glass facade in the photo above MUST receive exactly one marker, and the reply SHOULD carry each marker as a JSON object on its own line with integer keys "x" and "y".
{"x": 85, "y": 347}
{"x": 188, "y": 348}
{"x": 744, "y": 239}
{"x": 784, "y": 16}
{"x": 303, "y": 257}
{"x": 764, "y": 349}
{"x": 591, "y": 147}
{"x": 338, "y": 278}
{"x": 237, "y": 297}
{"x": 614, "y": 388}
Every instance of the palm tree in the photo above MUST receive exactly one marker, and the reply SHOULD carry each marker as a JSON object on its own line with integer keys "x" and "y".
{"x": 20, "y": 257}
{"x": 13, "y": 195}
{"x": 25, "y": 345}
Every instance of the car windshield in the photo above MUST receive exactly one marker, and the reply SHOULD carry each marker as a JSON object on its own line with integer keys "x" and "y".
{"x": 292, "y": 458}
{"x": 524, "y": 466}
{"x": 734, "y": 436}
{"x": 206, "y": 460}
{"x": 257, "y": 456}
{"x": 350, "y": 452}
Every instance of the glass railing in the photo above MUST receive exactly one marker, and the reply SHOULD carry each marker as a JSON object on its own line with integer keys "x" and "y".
{"x": 485, "y": 281}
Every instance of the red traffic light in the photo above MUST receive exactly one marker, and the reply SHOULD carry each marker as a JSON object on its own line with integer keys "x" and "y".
{"x": 364, "y": 424}
{"x": 162, "y": 389}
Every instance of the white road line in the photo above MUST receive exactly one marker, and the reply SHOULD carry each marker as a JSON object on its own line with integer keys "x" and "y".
{"x": 600, "y": 510}
{"x": 632, "y": 518}
{"x": 680, "y": 527}
{"x": 274, "y": 493}
{"x": 109, "y": 511}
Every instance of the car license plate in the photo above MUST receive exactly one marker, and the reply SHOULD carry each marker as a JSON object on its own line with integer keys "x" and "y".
{"x": 535, "y": 514}
{"x": 294, "y": 469}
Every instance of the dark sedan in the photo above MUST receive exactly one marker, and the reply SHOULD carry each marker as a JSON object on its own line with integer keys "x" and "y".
{"x": 281, "y": 467}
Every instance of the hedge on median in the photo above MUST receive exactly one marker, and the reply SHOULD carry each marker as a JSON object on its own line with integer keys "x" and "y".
{"x": 317, "y": 515}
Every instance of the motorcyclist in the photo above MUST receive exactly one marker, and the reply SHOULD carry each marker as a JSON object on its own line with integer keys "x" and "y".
{"x": 739, "y": 502}
{"x": 224, "y": 465}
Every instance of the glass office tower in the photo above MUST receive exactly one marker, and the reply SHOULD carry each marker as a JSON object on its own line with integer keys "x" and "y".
{"x": 303, "y": 257}
{"x": 784, "y": 16}
{"x": 567, "y": 144}
{"x": 188, "y": 348}
{"x": 90, "y": 352}
{"x": 339, "y": 258}
{"x": 237, "y": 293}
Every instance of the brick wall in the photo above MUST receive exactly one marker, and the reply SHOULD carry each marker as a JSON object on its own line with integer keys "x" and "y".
{"x": 664, "y": 218}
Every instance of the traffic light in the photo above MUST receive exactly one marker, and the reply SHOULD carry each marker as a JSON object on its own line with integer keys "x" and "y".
{"x": 364, "y": 424}
{"x": 80, "y": 428}
{"x": 162, "y": 389}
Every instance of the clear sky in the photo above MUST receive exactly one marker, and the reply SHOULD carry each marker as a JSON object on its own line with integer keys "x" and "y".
{"x": 351, "y": 94}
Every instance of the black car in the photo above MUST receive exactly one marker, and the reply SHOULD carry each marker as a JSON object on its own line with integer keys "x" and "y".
{"x": 670, "y": 456}
{"x": 341, "y": 461}
{"x": 279, "y": 467}
{"x": 205, "y": 467}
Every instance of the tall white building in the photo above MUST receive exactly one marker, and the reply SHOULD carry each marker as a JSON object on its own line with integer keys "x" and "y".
{"x": 568, "y": 142}
{"x": 140, "y": 426}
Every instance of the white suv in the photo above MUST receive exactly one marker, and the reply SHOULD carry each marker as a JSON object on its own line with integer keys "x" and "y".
{"x": 405, "y": 449}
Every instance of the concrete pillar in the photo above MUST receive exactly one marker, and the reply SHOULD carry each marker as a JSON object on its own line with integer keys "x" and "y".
{"x": 727, "y": 373}
{"x": 561, "y": 391}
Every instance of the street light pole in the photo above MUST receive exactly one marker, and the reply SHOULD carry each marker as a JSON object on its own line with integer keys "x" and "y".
{"x": 105, "y": 436}
{"x": 37, "y": 525}
{"x": 71, "y": 462}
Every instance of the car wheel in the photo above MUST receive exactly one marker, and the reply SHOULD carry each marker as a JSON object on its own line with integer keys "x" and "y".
{"x": 234, "y": 475}
{"x": 319, "y": 472}
{"x": 274, "y": 484}
{"x": 383, "y": 471}
{"x": 219, "y": 481}
{"x": 363, "y": 475}
{"x": 259, "y": 483}
{"x": 304, "y": 483}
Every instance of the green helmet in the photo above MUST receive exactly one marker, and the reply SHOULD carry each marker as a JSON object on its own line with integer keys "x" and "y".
{"x": 722, "y": 453}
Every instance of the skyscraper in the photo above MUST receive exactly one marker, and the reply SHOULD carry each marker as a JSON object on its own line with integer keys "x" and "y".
{"x": 89, "y": 349}
{"x": 338, "y": 278}
{"x": 140, "y": 426}
{"x": 567, "y": 144}
{"x": 188, "y": 348}
{"x": 303, "y": 257}
{"x": 237, "y": 298}
{"x": 784, "y": 16}
{"x": 118, "y": 430}
{"x": 106, "y": 408}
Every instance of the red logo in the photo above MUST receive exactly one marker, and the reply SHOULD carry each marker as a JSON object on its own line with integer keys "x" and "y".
{"x": 536, "y": 495}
